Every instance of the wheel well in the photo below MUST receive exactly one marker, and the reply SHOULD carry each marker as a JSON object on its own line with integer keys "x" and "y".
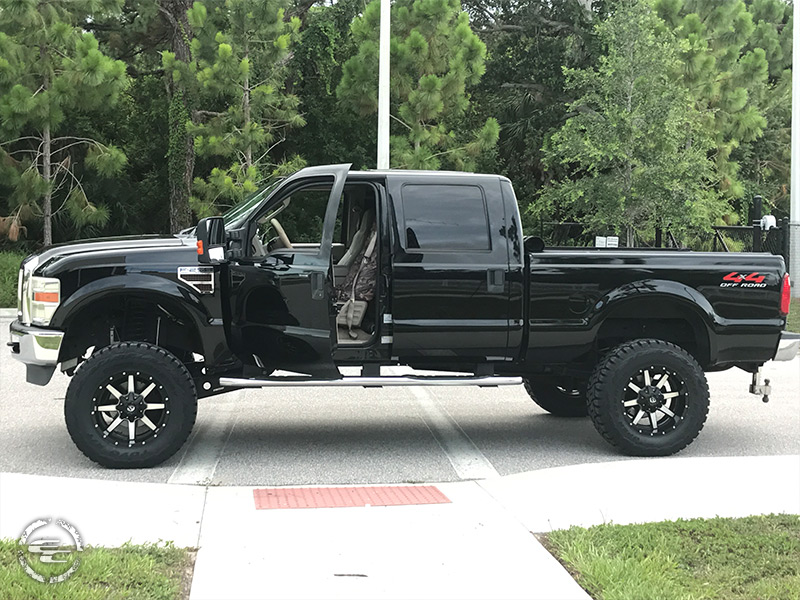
{"x": 663, "y": 319}
{"x": 131, "y": 318}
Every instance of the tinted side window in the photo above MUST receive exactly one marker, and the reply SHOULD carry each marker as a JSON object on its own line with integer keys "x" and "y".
{"x": 445, "y": 217}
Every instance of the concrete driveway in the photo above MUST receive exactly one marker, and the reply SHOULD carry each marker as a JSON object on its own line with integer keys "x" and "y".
{"x": 389, "y": 435}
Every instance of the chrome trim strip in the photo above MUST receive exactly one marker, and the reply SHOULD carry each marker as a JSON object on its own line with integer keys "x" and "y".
{"x": 406, "y": 380}
{"x": 28, "y": 267}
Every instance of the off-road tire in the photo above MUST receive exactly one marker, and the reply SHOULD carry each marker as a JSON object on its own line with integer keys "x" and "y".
{"x": 557, "y": 400}
{"x": 608, "y": 386}
{"x": 175, "y": 387}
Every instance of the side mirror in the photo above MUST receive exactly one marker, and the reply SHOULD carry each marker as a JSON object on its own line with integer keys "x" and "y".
{"x": 211, "y": 241}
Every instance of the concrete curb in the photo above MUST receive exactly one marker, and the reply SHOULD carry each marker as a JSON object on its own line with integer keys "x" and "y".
{"x": 649, "y": 490}
{"x": 480, "y": 545}
{"x": 165, "y": 512}
{"x": 8, "y": 313}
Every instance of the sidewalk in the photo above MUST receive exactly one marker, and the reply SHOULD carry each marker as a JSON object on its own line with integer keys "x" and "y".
{"x": 479, "y": 545}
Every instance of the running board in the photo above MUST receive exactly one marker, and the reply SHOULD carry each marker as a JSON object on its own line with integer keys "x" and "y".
{"x": 405, "y": 380}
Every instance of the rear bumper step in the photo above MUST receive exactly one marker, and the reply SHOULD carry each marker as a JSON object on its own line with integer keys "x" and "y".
{"x": 788, "y": 347}
{"x": 405, "y": 380}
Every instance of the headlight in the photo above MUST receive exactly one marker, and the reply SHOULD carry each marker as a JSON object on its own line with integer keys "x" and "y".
{"x": 37, "y": 297}
{"x": 44, "y": 294}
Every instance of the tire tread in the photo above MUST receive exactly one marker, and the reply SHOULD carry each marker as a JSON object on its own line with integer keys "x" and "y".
{"x": 120, "y": 459}
{"x": 599, "y": 380}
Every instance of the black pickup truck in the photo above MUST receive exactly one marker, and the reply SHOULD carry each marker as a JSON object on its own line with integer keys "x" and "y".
{"x": 424, "y": 269}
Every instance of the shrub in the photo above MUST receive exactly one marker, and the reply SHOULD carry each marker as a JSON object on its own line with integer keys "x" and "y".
{"x": 9, "y": 269}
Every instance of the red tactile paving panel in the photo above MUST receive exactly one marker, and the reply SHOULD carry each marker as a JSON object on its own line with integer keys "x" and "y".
{"x": 338, "y": 497}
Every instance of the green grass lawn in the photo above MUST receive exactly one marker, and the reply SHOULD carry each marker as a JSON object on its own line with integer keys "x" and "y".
{"x": 794, "y": 316}
{"x": 146, "y": 572}
{"x": 725, "y": 559}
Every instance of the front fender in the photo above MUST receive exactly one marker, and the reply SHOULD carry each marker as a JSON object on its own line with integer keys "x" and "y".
{"x": 157, "y": 289}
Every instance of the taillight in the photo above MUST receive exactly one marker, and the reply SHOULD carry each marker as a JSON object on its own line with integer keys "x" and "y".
{"x": 786, "y": 295}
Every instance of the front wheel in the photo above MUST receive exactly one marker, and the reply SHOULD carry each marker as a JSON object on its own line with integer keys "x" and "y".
{"x": 130, "y": 405}
{"x": 648, "y": 398}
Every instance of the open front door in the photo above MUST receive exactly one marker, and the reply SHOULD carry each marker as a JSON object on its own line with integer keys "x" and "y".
{"x": 282, "y": 315}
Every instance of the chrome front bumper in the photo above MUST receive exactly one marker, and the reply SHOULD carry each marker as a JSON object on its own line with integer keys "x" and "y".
{"x": 788, "y": 346}
{"x": 35, "y": 345}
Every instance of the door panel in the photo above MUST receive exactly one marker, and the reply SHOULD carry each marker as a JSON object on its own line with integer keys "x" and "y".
{"x": 280, "y": 304}
{"x": 449, "y": 286}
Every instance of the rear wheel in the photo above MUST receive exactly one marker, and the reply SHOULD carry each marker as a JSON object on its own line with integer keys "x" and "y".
{"x": 562, "y": 397}
{"x": 648, "y": 398}
{"x": 130, "y": 405}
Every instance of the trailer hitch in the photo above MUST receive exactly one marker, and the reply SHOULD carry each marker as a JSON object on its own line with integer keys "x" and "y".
{"x": 759, "y": 389}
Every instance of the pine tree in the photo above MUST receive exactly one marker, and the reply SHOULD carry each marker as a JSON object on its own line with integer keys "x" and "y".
{"x": 49, "y": 68}
{"x": 765, "y": 162}
{"x": 435, "y": 56}
{"x": 242, "y": 49}
{"x": 632, "y": 143}
{"x": 723, "y": 73}
{"x": 179, "y": 68}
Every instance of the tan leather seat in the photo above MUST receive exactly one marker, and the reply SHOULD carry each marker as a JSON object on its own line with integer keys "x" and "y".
{"x": 359, "y": 239}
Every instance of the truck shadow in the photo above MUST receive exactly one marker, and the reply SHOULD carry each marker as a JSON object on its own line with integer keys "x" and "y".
{"x": 308, "y": 450}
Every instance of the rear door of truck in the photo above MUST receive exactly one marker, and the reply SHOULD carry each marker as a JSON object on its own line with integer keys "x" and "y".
{"x": 450, "y": 291}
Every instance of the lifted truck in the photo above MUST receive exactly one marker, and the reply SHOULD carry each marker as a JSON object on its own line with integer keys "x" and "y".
{"x": 424, "y": 269}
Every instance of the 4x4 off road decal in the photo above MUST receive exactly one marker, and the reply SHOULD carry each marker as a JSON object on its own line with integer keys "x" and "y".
{"x": 751, "y": 280}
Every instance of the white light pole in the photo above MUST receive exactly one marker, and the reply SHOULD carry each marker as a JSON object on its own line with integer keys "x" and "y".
{"x": 794, "y": 212}
{"x": 383, "y": 87}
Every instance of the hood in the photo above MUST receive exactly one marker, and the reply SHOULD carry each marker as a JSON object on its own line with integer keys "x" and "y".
{"x": 111, "y": 243}
{"x": 111, "y": 251}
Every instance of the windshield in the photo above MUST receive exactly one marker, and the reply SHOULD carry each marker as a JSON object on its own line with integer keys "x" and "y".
{"x": 237, "y": 215}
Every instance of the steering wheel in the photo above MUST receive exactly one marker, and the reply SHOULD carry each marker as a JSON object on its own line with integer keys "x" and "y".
{"x": 281, "y": 233}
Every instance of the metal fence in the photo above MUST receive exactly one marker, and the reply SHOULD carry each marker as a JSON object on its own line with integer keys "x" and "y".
{"x": 719, "y": 239}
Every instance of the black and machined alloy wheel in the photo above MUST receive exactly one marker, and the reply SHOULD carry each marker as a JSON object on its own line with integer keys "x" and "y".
{"x": 562, "y": 397}
{"x": 648, "y": 398}
{"x": 130, "y": 405}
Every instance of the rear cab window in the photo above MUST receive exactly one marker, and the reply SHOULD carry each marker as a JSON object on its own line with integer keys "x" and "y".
{"x": 444, "y": 218}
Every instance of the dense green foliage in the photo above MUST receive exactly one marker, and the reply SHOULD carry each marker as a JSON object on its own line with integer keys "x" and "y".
{"x": 241, "y": 47}
{"x": 9, "y": 270}
{"x": 637, "y": 152}
{"x": 735, "y": 559}
{"x": 181, "y": 108}
{"x": 51, "y": 68}
{"x": 733, "y": 58}
{"x": 435, "y": 55}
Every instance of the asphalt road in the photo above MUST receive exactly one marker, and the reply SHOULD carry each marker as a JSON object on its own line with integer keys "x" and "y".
{"x": 389, "y": 435}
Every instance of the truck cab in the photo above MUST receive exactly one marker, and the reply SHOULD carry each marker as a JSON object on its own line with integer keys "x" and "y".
{"x": 443, "y": 287}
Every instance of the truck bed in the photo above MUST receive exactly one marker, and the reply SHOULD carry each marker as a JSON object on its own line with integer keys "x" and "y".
{"x": 573, "y": 292}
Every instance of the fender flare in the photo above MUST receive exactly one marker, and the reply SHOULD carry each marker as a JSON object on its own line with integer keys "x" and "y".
{"x": 210, "y": 331}
{"x": 687, "y": 297}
